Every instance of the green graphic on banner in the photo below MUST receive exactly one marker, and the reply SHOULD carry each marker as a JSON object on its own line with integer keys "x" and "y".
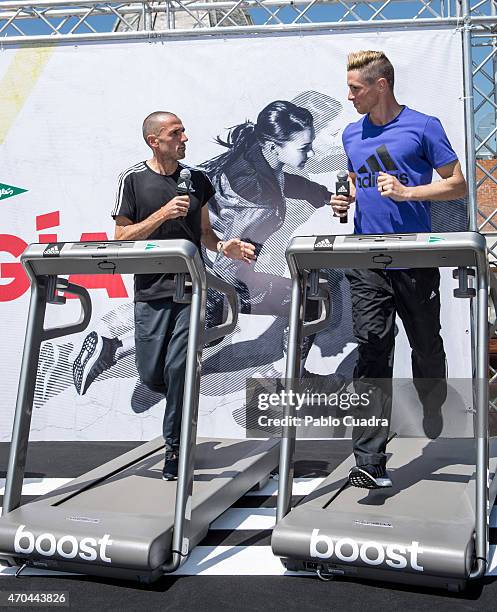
{"x": 151, "y": 246}
{"x": 433, "y": 239}
{"x": 7, "y": 191}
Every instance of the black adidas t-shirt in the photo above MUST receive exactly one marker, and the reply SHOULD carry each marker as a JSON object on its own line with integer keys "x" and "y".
{"x": 141, "y": 192}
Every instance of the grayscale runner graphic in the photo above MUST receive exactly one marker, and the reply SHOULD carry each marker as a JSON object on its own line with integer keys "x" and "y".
{"x": 266, "y": 209}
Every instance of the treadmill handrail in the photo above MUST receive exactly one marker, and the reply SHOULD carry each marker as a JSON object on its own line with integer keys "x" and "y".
{"x": 229, "y": 324}
{"x": 84, "y": 318}
{"x": 324, "y": 297}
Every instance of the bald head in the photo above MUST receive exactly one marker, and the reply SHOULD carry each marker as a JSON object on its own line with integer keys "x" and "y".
{"x": 153, "y": 124}
{"x": 164, "y": 133}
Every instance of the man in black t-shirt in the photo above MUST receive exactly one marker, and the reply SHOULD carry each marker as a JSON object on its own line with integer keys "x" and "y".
{"x": 148, "y": 207}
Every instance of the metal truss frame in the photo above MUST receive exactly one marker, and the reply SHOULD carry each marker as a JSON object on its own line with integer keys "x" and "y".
{"x": 77, "y": 19}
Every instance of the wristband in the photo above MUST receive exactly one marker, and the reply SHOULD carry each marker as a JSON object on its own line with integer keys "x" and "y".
{"x": 220, "y": 246}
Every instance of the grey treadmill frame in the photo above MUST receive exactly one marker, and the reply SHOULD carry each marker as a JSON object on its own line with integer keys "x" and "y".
{"x": 403, "y": 250}
{"x": 176, "y": 256}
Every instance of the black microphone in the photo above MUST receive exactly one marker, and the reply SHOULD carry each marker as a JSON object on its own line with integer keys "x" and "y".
{"x": 184, "y": 182}
{"x": 183, "y": 187}
{"x": 343, "y": 188}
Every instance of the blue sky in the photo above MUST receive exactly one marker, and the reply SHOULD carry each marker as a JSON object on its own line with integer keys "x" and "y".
{"x": 485, "y": 118}
{"x": 319, "y": 13}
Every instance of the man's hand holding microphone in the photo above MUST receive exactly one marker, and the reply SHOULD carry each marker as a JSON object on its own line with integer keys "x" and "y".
{"x": 343, "y": 198}
{"x": 178, "y": 207}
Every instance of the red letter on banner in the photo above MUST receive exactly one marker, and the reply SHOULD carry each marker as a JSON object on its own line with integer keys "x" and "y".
{"x": 46, "y": 221}
{"x": 20, "y": 283}
{"x": 112, "y": 283}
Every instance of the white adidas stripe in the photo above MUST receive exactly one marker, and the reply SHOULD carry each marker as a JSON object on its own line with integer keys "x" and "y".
{"x": 140, "y": 167}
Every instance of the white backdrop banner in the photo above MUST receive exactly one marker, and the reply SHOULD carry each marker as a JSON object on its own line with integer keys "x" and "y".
{"x": 70, "y": 122}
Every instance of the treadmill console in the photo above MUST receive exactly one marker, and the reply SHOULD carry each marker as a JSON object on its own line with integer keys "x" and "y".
{"x": 417, "y": 250}
{"x": 115, "y": 256}
{"x": 326, "y": 243}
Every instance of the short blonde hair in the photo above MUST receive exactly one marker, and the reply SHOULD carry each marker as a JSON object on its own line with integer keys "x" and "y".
{"x": 373, "y": 65}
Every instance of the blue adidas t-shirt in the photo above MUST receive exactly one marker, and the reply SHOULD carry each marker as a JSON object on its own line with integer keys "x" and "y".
{"x": 410, "y": 147}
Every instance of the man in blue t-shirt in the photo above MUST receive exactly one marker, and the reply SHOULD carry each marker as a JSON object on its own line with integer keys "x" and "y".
{"x": 392, "y": 152}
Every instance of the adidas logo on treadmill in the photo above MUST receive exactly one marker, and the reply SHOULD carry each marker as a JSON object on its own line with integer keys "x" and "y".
{"x": 372, "y": 166}
{"x": 52, "y": 250}
{"x": 323, "y": 242}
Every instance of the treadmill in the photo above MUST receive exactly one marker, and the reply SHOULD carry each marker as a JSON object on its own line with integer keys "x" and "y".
{"x": 121, "y": 519}
{"x": 431, "y": 527}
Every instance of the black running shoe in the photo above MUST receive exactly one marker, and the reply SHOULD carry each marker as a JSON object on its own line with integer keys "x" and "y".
{"x": 170, "y": 469}
{"x": 369, "y": 477}
{"x": 432, "y": 394}
{"x": 432, "y": 421}
{"x": 96, "y": 355}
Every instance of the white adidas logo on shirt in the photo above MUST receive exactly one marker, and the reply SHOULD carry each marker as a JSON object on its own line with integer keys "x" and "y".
{"x": 187, "y": 187}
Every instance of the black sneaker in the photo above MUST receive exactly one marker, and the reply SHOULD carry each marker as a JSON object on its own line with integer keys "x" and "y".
{"x": 432, "y": 421}
{"x": 369, "y": 477}
{"x": 97, "y": 354}
{"x": 433, "y": 396}
{"x": 432, "y": 393}
{"x": 170, "y": 469}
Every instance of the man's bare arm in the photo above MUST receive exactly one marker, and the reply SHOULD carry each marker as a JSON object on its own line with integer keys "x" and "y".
{"x": 451, "y": 187}
{"x": 234, "y": 248}
{"x": 208, "y": 236}
{"x": 127, "y": 230}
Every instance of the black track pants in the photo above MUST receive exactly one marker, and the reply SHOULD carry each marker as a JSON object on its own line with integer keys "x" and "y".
{"x": 377, "y": 295}
{"x": 161, "y": 339}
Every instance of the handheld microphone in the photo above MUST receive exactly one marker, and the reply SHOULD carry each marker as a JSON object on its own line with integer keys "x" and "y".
{"x": 183, "y": 187}
{"x": 343, "y": 188}
{"x": 184, "y": 182}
